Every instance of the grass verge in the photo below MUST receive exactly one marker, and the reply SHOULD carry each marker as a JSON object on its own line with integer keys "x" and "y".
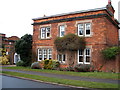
{"x": 102, "y": 75}
{"x": 63, "y": 81}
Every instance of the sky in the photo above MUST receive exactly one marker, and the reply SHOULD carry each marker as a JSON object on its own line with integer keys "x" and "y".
{"x": 16, "y": 15}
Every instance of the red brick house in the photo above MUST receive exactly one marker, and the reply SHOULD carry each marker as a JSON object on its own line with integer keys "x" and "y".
{"x": 8, "y": 43}
{"x": 98, "y": 26}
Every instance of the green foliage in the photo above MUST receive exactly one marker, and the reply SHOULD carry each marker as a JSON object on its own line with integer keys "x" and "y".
{"x": 36, "y": 65}
{"x": 110, "y": 53}
{"x": 83, "y": 68}
{"x": 70, "y": 42}
{"x": 20, "y": 63}
{"x": 24, "y": 48}
{"x": 51, "y": 64}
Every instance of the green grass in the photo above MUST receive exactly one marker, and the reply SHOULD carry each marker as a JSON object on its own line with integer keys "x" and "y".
{"x": 63, "y": 81}
{"x": 102, "y": 75}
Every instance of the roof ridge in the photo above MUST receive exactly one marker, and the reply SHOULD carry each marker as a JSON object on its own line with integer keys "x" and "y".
{"x": 75, "y": 12}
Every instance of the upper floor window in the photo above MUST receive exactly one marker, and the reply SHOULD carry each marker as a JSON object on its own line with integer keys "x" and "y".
{"x": 84, "y": 56}
{"x": 62, "y": 30}
{"x": 84, "y": 29}
{"x": 45, "y": 32}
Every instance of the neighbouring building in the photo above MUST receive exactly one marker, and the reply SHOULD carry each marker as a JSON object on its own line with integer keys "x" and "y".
{"x": 119, "y": 19}
{"x": 9, "y": 44}
{"x": 98, "y": 26}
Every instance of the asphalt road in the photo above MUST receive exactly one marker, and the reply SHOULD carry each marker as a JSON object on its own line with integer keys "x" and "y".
{"x": 12, "y": 82}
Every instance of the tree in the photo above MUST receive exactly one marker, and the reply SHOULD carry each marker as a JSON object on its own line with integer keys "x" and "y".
{"x": 24, "y": 48}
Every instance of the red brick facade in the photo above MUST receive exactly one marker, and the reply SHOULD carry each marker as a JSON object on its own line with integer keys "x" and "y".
{"x": 104, "y": 33}
{"x": 8, "y": 43}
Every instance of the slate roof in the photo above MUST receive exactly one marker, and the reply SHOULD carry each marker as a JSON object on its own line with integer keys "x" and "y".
{"x": 76, "y": 12}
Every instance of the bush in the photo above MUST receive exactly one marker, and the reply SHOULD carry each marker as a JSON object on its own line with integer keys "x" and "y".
{"x": 110, "y": 53}
{"x": 36, "y": 65}
{"x": 51, "y": 64}
{"x": 4, "y": 60}
{"x": 20, "y": 63}
{"x": 83, "y": 68}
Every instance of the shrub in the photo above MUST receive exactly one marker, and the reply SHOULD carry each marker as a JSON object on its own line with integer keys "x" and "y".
{"x": 20, "y": 63}
{"x": 51, "y": 64}
{"x": 35, "y": 65}
{"x": 83, "y": 68}
{"x": 110, "y": 53}
{"x": 4, "y": 60}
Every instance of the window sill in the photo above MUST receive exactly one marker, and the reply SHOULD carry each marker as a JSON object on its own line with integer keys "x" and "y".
{"x": 45, "y": 38}
{"x": 86, "y": 36}
{"x": 82, "y": 63}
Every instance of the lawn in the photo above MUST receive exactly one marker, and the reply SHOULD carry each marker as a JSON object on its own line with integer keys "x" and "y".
{"x": 102, "y": 75}
{"x": 63, "y": 81}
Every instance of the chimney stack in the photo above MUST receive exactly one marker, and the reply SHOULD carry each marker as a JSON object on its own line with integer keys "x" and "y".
{"x": 109, "y": 2}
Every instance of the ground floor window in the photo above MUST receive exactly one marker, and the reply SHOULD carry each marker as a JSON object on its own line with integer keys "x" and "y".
{"x": 84, "y": 56}
{"x": 61, "y": 58}
{"x": 44, "y": 54}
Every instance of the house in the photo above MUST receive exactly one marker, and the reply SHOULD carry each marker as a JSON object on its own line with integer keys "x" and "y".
{"x": 9, "y": 44}
{"x": 98, "y": 26}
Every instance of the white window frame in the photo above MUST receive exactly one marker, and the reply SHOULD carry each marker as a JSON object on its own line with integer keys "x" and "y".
{"x": 84, "y": 56}
{"x": 79, "y": 56}
{"x": 61, "y": 58}
{"x": 84, "y": 29}
{"x": 79, "y": 29}
{"x": 61, "y": 29}
{"x": 39, "y": 54}
{"x": 48, "y": 55}
{"x": 87, "y": 55}
{"x": 44, "y": 53}
{"x": 41, "y": 31}
{"x": 45, "y": 32}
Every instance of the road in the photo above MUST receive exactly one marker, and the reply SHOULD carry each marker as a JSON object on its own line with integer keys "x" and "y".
{"x": 12, "y": 82}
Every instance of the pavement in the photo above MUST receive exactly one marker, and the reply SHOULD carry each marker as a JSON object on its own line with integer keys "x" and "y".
{"x": 66, "y": 76}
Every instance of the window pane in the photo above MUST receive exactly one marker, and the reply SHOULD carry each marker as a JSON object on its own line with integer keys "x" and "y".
{"x": 45, "y": 51}
{"x": 49, "y": 51}
{"x": 80, "y": 52}
{"x": 88, "y": 29}
{"x": 50, "y": 57}
{"x": 87, "y": 59}
{"x": 63, "y": 58}
{"x": 87, "y": 51}
{"x": 80, "y": 58}
{"x": 80, "y": 29}
{"x": 48, "y": 32}
{"x": 40, "y": 51}
{"x": 87, "y": 32}
{"x": 45, "y": 57}
{"x": 62, "y": 31}
{"x": 40, "y": 57}
{"x": 42, "y": 32}
{"x": 60, "y": 57}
